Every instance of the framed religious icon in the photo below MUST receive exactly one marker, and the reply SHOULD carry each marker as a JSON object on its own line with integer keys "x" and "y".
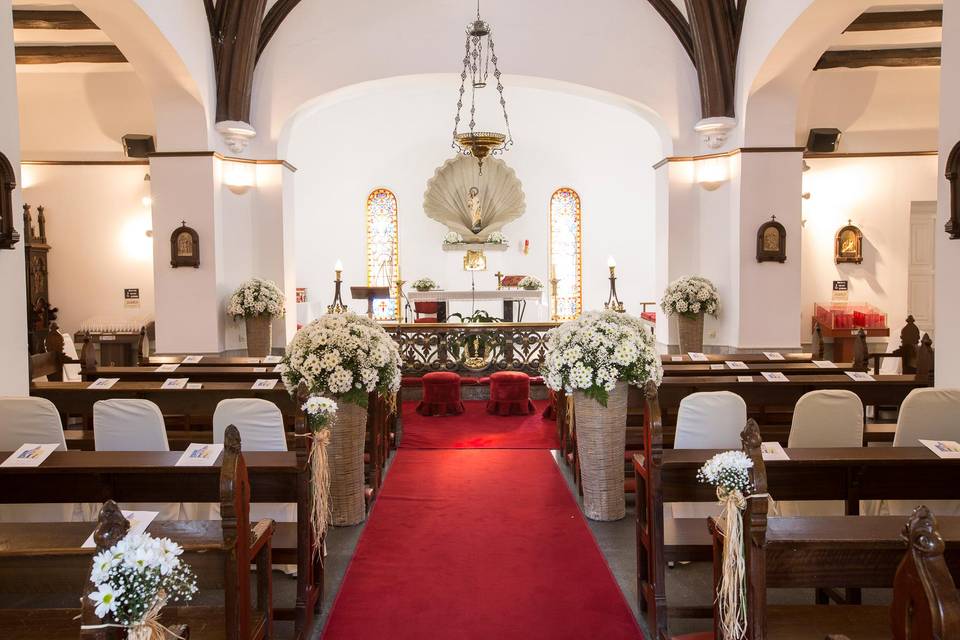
{"x": 772, "y": 241}
{"x": 184, "y": 247}
{"x": 849, "y": 246}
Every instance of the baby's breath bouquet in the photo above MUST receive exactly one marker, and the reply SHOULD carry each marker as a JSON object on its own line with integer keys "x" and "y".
{"x": 135, "y": 578}
{"x": 597, "y": 350}
{"x": 690, "y": 296}
{"x": 256, "y": 297}
{"x": 320, "y": 413}
{"x": 452, "y": 237}
{"x": 729, "y": 472}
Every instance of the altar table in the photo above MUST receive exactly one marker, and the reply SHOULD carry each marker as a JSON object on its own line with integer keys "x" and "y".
{"x": 508, "y": 296}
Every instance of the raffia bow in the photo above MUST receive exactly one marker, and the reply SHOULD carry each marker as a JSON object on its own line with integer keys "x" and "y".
{"x": 320, "y": 510}
{"x": 731, "y": 594}
{"x": 149, "y": 628}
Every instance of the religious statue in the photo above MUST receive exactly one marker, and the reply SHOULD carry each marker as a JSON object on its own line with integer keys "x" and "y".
{"x": 476, "y": 216}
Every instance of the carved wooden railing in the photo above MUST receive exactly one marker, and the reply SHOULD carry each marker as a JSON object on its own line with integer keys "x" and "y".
{"x": 470, "y": 348}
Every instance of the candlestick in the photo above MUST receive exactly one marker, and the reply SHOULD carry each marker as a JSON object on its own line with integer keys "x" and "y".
{"x": 613, "y": 302}
{"x": 337, "y": 305}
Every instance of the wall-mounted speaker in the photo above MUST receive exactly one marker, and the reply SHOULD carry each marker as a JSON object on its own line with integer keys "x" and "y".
{"x": 138, "y": 145}
{"x": 823, "y": 140}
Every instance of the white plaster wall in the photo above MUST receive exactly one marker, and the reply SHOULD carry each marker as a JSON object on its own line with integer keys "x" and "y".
{"x": 81, "y": 115}
{"x": 97, "y": 227}
{"x": 396, "y": 138}
{"x": 876, "y": 193}
{"x": 13, "y": 313}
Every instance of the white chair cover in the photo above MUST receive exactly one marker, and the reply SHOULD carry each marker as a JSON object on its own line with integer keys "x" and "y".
{"x": 930, "y": 414}
{"x": 128, "y": 424}
{"x": 824, "y": 418}
{"x": 71, "y": 372}
{"x": 36, "y": 420}
{"x": 707, "y": 420}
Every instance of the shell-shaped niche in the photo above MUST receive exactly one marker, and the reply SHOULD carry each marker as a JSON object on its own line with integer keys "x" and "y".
{"x": 447, "y": 198}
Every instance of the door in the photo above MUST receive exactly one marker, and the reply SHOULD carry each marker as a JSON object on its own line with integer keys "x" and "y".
{"x": 923, "y": 223}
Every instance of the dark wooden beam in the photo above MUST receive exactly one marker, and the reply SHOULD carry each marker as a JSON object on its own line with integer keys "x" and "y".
{"x": 275, "y": 17}
{"x": 713, "y": 26}
{"x": 674, "y": 18}
{"x": 56, "y": 54}
{"x": 31, "y": 19}
{"x": 891, "y": 20}
{"x": 235, "y": 54}
{"x": 857, "y": 59}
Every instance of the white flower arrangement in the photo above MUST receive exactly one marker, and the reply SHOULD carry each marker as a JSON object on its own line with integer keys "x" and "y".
{"x": 729, "y": 471}
{"x": 424, "y": 284}
{"x": 497, "y": 237}
{"x": 137, "y": 576}
{"x": 452, "y": 237}
{"x": 689, "y": 296}
{"x": 530, "y": 283}
{"x": 597, "y": 350}
{"x": 256, "y": 297}
{"x": 344, "y": 355}
{"x": 320, "y": 411}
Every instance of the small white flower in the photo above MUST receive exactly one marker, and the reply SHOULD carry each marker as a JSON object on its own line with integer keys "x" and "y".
{"x": 105, "y": 597}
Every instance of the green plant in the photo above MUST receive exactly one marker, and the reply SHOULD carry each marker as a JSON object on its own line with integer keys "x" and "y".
{"x": 475, "y": 344}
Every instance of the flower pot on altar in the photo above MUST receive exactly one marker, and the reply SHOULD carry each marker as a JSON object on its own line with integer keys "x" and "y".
{"x": 601, "y": 442}
{"x": 345, "y": 457}
{"x": 690, "y": 333}
{"x": 259, "y": 335}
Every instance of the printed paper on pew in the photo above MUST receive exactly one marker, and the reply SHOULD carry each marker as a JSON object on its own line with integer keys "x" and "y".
{"x": 259, "y": 369}
{"x": 825, "y": 364}
{"x": 943, "y": 448}
{"x": 167, "y": 368}
{"x": 278, "y": 369}
{"x": 194, "y": 385}
{"x": 773, "y": 355}
{"x": 272, "y": 359}
{"x": 716, "y": 367}
{"x": 736, "y": 364}
{"x": 860, "y": 376}
{"x": 103, "y": 383}
{"x": 200, "y": 455}
{"x": 773, "y": 451}
{"x": 29, "y": 455}
{"x": 175, "y": 383}
{"x": 139, "y": 521}
{"x": 265, "y": 384}
{"x": 676, "y": 358}
{"x": 744, "y": 378}
{"x": 191, "y": 360}
{"x": 775, "y": 376}
{"x": 697, "y": 356}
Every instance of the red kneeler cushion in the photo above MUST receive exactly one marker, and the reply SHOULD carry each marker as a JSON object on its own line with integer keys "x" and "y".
{"x": 441, "y": 394}
{"x": 510, "y": 394}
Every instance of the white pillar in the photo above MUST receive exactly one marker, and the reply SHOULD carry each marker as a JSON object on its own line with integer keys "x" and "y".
{"x": 946, "y": 318}
{"x": 677, "y": 239}
{"x": 13, "y": 318}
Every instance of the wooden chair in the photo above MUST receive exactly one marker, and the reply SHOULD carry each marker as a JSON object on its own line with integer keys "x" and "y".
{"x": 221, "y": 554}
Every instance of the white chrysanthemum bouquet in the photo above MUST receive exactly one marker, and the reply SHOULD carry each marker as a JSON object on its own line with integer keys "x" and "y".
{"x": 690, "y": 296}
{"x": 424, "y": 284}
{"x": 452, "y": 237}
{"x": 256, "y": 297}
{"x": 597, "y": 350}
{"x": 344, "y": 355}
{"x": 137, "y": 577}
{"x": 497, "y": 237}
{"x": 530, "y": 283}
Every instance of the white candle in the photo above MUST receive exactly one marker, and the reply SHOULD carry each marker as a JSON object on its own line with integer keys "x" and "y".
{"x": 338, "y": 266}
{"x": 611, "y": 262}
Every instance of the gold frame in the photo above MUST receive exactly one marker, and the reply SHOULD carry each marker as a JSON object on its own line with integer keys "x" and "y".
{"x": 395, "y": 290}
{"x": 576, "y": 195}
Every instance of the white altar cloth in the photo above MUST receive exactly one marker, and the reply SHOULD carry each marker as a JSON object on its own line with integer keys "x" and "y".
{"x": 441, "y": 295}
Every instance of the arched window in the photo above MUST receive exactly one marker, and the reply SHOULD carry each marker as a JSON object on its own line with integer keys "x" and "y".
{"x": 565, "y": 252}
{"x": 383, "y": 251}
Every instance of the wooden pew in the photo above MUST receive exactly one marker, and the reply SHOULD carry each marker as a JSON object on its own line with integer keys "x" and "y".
{"x": 50, "y": 362}
{"x": 86, "y": 476}
{"x": 700, "y": 369}
{"x": 847, "y": 474}
{"x": 50, "y": 556}
{"x": 749, "y": 358}
{"x": 247, "y": 375}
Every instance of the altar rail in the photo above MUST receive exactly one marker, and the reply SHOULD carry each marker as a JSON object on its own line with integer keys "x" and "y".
{"x": 470, "y": 348}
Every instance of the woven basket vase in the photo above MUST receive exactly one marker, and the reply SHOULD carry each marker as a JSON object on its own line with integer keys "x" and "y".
{"x": 259, "y": 335}
{"x": 345, "y": 455}
{"x": 601, "y": 441}
{"x": 690, "y": 333}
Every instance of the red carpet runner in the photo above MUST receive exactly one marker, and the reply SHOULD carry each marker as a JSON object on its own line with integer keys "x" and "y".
{"x": 476, "y": 429}
{"x": 478, "y": 544}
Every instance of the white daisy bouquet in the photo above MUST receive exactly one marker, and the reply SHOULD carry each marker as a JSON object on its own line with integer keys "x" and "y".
{"x": 343, "y": 355}
{"x": 453, "y": 237}
{"x": 137, "y": 577}
{"x": 320, "y": 413}
{"x": 530, "y": 283}
{"x": 690, "y": 296}
{"x": 497, "y": 237}
{"x": 597, "y": 350}
{"x": 424, "y": 284}
{"x": 256, "y": 297}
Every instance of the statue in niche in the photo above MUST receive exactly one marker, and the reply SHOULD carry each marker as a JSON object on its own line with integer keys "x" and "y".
{"x": 476, "y": 215}
{"x": 184, "y": 245}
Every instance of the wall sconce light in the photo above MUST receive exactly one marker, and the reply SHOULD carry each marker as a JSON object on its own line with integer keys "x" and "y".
{"x": 613, "y": 302}
{"x": 712, "y": 172}
{"x": 239, "y": 176}
{"x": 337, "y": 306}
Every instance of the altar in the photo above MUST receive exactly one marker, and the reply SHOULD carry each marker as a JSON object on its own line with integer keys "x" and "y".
{"x": 511, "y": 298}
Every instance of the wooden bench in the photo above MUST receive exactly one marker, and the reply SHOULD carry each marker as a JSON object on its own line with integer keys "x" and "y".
{"x": 50, "y": 363}
{"x": 37, "y": 557}
{"x": 247, "y": 375}
{"x": 749, "y": 358}
{"x": 847, "y": 474}
{"x": 88, "y": 476}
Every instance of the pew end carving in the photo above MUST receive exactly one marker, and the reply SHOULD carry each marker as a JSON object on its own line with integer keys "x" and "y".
{"x": 817, "y": 346}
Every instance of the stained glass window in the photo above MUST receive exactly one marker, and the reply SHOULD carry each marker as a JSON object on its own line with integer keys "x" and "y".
{"x": 566, "y": 252}
{"x": 383, "y": 251}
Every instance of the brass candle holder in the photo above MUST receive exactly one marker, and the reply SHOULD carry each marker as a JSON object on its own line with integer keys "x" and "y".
{"x": 337, "y": 306}
{"x": 554, "y": 282}
{"x": 613, "y": 302}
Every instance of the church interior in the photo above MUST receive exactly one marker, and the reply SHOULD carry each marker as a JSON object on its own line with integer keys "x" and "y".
{"x": 473, "y": 318}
